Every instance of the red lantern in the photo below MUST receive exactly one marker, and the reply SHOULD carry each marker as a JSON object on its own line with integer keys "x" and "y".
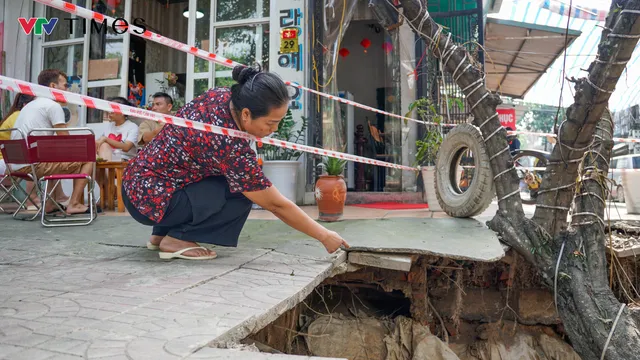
{"x": 365, "y": 44}
{"x": 113, "y": 5}
{"x": 344, "y": 52}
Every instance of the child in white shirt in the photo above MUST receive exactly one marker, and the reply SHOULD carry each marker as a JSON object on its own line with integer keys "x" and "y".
{"x": 119, "y": 139}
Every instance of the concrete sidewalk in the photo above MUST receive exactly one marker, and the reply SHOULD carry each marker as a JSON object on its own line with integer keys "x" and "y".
{"x": 96, "y": 292}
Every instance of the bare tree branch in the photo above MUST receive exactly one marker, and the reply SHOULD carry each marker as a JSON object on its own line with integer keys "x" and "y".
{"x": 619, "y": 39}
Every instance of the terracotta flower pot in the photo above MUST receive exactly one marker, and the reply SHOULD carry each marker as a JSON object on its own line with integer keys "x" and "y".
{"x": 330, "y": 194}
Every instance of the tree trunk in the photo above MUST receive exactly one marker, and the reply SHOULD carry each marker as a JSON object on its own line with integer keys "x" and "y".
{"x": 585, "y": 301}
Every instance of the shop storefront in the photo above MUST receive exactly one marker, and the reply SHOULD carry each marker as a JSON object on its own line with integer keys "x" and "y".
{"x": 341, "y": 49}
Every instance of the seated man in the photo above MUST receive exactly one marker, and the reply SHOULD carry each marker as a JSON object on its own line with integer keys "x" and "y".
{"x": 162, "y": 103}
{"x": 46, "y": 113}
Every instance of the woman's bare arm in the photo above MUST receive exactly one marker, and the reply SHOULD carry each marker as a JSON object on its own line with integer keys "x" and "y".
{"x": 271, "y": 199}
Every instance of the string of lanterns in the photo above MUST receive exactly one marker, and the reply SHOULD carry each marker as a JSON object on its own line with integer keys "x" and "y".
{"x": 387, "y": 47}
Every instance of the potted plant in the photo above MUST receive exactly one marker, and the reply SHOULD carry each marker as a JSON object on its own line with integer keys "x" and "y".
{"x": 331, "y": 190}
{"x": 280, "y": 165}
{"x": 427, "y": 149}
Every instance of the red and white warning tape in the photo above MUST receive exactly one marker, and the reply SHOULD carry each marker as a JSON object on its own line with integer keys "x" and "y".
{"x": 15, "y": 85}
{"x": 137, "y": 31}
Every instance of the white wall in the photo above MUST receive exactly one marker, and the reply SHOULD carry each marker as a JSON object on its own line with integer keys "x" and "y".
{"x": 407, "y": 96}
{"x": 17, "y": 45}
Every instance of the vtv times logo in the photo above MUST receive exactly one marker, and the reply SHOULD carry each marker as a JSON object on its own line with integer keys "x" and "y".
{"x": 39, "y": 26}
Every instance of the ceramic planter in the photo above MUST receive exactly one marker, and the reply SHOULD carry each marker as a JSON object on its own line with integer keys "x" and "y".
{"x": 429, "y": 182}
{"x": 330, "y": 194}
{"x": 283, "y": 174}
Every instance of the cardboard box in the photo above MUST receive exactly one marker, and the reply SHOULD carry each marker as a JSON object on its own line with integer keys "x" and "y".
{"x": 102, "y": 69}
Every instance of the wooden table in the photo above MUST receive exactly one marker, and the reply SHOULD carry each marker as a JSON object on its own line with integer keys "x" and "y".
{"x": 109, "y": 178}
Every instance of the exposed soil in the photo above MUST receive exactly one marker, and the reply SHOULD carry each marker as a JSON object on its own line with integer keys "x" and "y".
{"x": 469, "y": 305}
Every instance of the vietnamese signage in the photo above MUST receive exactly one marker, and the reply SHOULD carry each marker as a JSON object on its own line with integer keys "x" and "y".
{"x": 507, "y": 118}
{"x": 287, "y": 59}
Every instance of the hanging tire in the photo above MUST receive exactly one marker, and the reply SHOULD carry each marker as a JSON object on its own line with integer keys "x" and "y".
{"x": 480, "y": 191}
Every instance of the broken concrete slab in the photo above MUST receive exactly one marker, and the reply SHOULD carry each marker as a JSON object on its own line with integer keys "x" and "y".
{"x": 293, "y": 265}
{"x": 463, "y": 239}
{"x": 384, "y": 261}
{"x": 233, "y": 354}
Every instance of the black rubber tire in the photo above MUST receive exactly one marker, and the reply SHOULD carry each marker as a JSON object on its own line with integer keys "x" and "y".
{"x": 541, "y": 156}
{"x": 480, "y": 192}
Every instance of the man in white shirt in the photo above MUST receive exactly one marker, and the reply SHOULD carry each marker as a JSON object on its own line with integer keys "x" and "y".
{"x": 46, "y": 113}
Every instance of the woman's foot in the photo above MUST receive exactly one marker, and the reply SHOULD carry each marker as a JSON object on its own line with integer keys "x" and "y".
{"x": 172, "y": 245}
{"x": 154, "y": 242}
{"x": 50, "y": 208}
{"x": 63, "y": 200}
{"x": 156, "y": 239}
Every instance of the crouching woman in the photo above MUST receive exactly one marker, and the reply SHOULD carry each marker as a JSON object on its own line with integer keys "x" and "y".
{"x": 197, "y": 187}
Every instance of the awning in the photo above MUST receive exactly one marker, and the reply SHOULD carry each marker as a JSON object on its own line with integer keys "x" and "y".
{"x": 518, "y": 54}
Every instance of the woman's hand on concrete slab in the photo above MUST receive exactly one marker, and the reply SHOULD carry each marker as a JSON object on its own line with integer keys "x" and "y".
{"x": 333, "y": 241}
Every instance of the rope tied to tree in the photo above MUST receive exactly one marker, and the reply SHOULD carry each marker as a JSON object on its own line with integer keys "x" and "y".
{"x": 555, "y": 277}
{"x": 615, "y": 322}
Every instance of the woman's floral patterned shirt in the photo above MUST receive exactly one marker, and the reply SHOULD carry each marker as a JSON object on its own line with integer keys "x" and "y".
{"x": 179, "y": 156}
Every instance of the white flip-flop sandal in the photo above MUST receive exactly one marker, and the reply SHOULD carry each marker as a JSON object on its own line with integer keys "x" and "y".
{"x": 150, "y": 246}
{"x": 178, "y": 254}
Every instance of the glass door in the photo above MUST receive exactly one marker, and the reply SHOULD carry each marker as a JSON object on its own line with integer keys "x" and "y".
{"x": 62, "y": 50}
{"x": 236, "y": 29}
{"x": 107, "y": 56}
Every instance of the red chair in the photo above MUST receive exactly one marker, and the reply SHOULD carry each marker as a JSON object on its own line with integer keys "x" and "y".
{"x": 6, "y": 191}
{"x": 17, "y": 152}
{"x": 64, "y": 148}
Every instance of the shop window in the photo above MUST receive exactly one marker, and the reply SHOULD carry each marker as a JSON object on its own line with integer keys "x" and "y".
{"x": 200, "y": 86}
{"x": 203, "y": 26}
{"x": 227, "y": 10}
{"x": 97, "y": 116}
{"x": 224, "y": 82}
{"x": 65, "y": 58}
{"x": 106, "y": 46}
{"x": 239, "y": 44}
{"x": 65, "y": 29}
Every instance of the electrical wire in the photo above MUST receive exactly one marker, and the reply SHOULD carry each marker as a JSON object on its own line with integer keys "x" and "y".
{"x": 340, "y": 35}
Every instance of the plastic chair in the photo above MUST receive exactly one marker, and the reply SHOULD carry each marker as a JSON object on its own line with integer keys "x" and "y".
{"x": 17, "y": 152}
{"x": 59, "y": 149}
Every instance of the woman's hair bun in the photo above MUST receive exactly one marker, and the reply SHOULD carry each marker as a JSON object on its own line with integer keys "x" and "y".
{"x": 242, "y": 74}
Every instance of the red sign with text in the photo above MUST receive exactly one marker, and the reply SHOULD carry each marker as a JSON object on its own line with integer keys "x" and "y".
{"x": 507, "y": 118}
